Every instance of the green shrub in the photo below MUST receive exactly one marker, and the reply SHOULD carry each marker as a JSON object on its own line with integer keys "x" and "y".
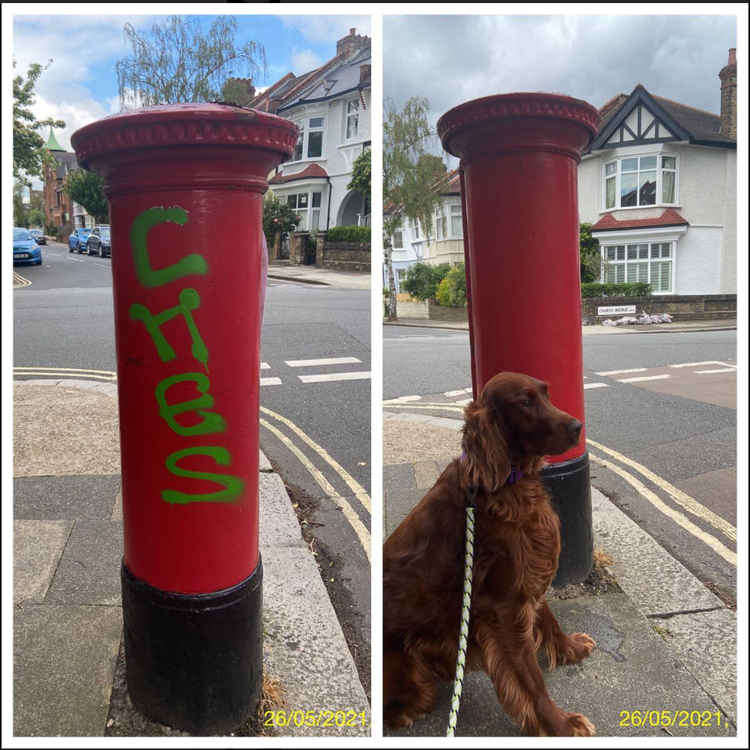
{"x": 349, "y": 234}
{"x": 422, "y": 280}
{"x": 596, "y": 289}
{"x": 452, "y": 289}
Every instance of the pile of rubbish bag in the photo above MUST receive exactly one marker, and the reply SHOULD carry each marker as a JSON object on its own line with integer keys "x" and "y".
{"x": 643, "y": 319}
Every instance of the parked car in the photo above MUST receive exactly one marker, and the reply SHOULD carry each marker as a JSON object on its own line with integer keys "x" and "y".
{"x": 25, "y": 247}
{"x": 38, "y": 235}
{"x": 99, "y": 241}
{"x": 77, "y": 239}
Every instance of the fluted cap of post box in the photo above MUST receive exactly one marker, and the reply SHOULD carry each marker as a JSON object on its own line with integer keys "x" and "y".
{"x": 184, "y": 125}
{"x": 518, "y": 121}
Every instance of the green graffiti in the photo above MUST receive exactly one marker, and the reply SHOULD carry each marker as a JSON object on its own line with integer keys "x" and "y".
{"x": 189, "y": 300}
{"x": 212, "y": 422}
{"x": 233, "y": 486}
{"x": 139, "y": 229}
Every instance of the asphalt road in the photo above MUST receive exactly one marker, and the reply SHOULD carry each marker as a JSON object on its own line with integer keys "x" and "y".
{"x": 315, "y": 415}
{"x": 663, "y": 447}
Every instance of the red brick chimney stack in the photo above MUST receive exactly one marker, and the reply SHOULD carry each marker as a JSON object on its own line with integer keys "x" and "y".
{"x": 350, "y": 43}
{"x": 364, "y": 73}
{"x": 728, "y": 77}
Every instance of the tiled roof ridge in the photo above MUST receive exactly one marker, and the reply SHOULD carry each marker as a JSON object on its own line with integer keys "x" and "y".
{"x": 686, "y": 106}
{"x": 311, "y": 170}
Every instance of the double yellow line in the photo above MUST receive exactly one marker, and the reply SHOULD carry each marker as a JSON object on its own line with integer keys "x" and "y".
{"x": 341, "y": 502}
{"x": 67, "y": 372}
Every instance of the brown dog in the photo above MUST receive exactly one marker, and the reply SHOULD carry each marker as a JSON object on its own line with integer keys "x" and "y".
{"x": 508, "y": 430}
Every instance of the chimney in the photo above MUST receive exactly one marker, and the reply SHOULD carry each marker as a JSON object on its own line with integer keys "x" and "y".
{"x": 728, "y": 77}
{"x": 350, "y": 43}
{"x": 364, "y": 73}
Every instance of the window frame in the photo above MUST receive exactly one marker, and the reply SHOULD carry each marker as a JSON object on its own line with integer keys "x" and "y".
{"x": 660, "y": 169}
{"x": 650, "y": 259}
{"x": 303, "y": 141}
{"x": 347, "y": 116}
{"x": 308, "y": 211}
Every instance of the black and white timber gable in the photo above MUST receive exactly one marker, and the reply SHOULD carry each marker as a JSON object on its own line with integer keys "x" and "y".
{"x": 640, "y": 120}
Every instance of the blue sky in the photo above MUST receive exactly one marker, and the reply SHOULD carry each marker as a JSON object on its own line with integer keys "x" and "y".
{"x": 80, "y": 85}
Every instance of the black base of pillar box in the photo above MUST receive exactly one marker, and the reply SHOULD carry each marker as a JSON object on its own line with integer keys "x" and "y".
{"x": 194, "y": 661}
{"x": 568, "y": 484}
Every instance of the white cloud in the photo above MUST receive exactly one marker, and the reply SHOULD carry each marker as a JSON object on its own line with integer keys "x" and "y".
{"x": 303, "y": 61}
{"x": 327, "y": 29}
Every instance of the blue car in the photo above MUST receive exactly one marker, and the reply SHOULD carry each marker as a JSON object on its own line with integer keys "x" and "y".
{"x": 78, "y": 238}
{"x": 25, "y": 249}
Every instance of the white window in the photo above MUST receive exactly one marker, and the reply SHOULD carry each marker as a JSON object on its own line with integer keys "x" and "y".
{"x": 310, "y": 141}
{"x": 415, "y": 228}
{"x": 352, "y": 119}
{"x": 300, "y": 203}
{"x": 644, "y": 262}
{"x": 457, "y": 226}
{"x": 441, "y": 224}
{"x": 401, "y": 274}
{"x": 640, "y": 181}
{"x": 398, "y": 240}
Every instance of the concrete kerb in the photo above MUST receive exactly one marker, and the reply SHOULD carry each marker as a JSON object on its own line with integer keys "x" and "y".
{"x": 304, "y": 646}
{"x": 694, "y": 626}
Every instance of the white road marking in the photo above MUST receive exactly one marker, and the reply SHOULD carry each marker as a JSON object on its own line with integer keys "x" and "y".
{"x": 622, "y": 372}
{"x": 402, "y": 399}
{"x": 320, "y": 362}
{"x": 463, "y": 401}
{"x": 270, "y": 381}
{"x": 586, "y": 386}
{"x": 451, "y": 394}
{"x": 681, "y": 498}
{"x": 265, "y": 366}
{"x": 676, "y": 516}
{"x": 334, "y": 376}
{"x": 359, "y": 528}
{"x": 697, "y": 364}
{"x": 643, "y": 378}
{"x": 711, "y": 372}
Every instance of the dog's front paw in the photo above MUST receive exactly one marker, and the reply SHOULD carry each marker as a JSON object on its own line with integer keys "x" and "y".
{"x": 577, "y": 647}
{"x": 580, "y": 726}
{"x": 398, "y": 719}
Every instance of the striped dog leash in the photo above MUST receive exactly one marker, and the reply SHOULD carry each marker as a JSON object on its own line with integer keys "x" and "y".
{"x": 463, "y": 634}
{"x": 458, "y": 683}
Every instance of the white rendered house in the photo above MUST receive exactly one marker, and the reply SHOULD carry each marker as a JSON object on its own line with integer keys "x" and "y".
{"x": 658, "y": 185}
{"x": 331, "y": 106}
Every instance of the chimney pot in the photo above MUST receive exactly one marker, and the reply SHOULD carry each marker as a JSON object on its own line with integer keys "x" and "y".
{"x": 732, "y": 56}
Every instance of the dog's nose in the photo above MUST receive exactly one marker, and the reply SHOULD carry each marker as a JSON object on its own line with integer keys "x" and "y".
{"x": 574, "y": 428}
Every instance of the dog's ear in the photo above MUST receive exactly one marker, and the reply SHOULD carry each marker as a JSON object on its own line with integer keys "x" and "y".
{"x": 485, "y": 448}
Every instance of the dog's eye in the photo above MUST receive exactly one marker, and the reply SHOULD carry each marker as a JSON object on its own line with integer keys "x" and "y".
{"x": 526, "y": 402}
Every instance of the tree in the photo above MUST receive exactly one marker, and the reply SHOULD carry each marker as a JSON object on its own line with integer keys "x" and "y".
{"x": 410, "y": 173}
{"x": 590, "y": 255}
{"x": 20, "y": 213}
{"x": 87, "y": 189}
{"x": 361, "y": 179}
{"x": 177, "y": 61}
{"x": 422, "y": 280}
{"x": 278, "y": 218}
{"x": 28, "y": 145}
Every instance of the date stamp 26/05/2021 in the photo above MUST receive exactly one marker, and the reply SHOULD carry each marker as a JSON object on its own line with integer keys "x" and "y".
{"x": 281, "y": 718}
{"x": 669, "y": 718}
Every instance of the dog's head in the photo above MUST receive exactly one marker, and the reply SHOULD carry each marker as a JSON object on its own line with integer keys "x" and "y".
{"x": 513, "y": 421}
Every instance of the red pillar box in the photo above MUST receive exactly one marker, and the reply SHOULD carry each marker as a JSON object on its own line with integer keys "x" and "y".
{"x": 519, "y": 157}
{"x": 185, "y": 184}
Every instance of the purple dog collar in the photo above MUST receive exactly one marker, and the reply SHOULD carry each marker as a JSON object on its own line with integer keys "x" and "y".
{"x": 515, "y": 472}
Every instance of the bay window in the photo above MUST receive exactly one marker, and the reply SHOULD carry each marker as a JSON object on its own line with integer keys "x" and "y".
{"x": 643, "y": 262}
{"x": 647, "y": 180}
{"x": 307, "y": 207}
{"x": 457, "y": 226}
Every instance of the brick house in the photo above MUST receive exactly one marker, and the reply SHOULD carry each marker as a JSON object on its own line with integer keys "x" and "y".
{"x": 658, "y": 184}
{"x": 60, "y": 211}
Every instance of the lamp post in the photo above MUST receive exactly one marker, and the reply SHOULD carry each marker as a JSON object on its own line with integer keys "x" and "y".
{"x": 519, "y": 155}
{"x": 185, "y": 184}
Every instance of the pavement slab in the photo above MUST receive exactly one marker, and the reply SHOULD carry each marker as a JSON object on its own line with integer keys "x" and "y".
{"x": 63, "y": 663}
{"x": 629, "y": 670}
{"x": 89, "y": 569}
{"x": 65, "y": 497}
{"x": 37, "y": 548}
